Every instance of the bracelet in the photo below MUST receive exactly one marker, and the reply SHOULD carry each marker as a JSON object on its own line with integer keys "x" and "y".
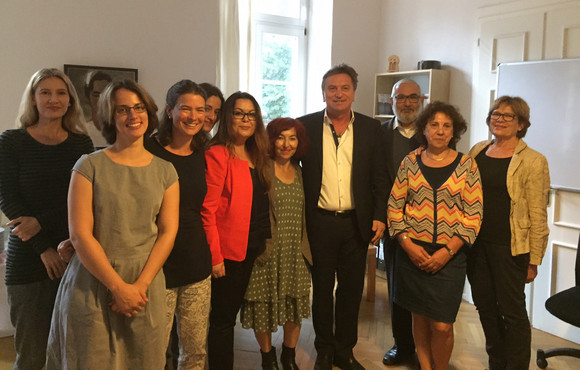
{"x": 405, "y": 236}
{"x": 451, "y": 252}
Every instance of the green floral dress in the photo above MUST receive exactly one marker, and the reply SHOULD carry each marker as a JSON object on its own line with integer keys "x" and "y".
{"x": 279, "y": 290}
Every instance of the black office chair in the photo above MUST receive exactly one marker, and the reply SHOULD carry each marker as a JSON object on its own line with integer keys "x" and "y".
{"x": 564, "y": 305}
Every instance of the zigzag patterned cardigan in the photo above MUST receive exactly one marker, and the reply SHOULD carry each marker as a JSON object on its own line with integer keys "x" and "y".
{"x": 436, "y": 215}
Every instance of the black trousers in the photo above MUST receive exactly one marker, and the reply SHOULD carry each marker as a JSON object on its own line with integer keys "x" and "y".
{"x": 497, "y": 283}
{"x": 338, "y": 252}
{"x": 227, "y": 295}
{"x": 401, "y": 319}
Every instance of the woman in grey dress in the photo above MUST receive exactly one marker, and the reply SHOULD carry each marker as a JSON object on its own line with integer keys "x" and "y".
{"x": 123, "y": 217}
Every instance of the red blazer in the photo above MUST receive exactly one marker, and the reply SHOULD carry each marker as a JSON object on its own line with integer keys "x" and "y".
{"x": 227, "y": 206}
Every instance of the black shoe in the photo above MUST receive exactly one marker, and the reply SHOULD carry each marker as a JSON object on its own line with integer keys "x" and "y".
{"x": 269, "y": 361}
{"x": 395, "y": 356}
{"x": 323, "y": 362}
{"x": 347, "y": 363}
{"x": 288, "y": 358}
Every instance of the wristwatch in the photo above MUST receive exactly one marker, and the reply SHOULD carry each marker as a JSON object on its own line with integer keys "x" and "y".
{"x": 451, "y": 252}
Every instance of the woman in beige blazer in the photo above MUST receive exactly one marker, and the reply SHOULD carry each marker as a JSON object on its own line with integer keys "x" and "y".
{"x": 514, "y": 232}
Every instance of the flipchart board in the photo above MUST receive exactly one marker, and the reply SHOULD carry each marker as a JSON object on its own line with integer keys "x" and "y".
{"x": 552, "y": 90}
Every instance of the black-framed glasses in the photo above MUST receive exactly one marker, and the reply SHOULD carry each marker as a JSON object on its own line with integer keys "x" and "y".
{"x": 124, "y": 110}
{"x": 507, "y": 117}
{"x": 413, "y": 98}
{"x": 240, "y": 115}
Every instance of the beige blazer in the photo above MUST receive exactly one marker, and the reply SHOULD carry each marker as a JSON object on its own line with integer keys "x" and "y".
{"x": 528, "y": 182}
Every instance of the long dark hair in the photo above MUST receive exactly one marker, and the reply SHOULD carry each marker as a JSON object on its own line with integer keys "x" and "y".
{"x": 257, "y": 145}
{"x": 165, "y": 130}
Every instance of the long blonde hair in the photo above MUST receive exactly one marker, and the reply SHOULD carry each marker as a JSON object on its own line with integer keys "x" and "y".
{"x": 73, "y": 120}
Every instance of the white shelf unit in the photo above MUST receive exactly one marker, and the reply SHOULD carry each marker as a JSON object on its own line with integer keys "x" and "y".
{"x": 434, "y": 86}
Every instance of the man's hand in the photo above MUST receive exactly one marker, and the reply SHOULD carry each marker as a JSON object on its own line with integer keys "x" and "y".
{"x": 26, "y": 227}
{"x": 379, "y": 229}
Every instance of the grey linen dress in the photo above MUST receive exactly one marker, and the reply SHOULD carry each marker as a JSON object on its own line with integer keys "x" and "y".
{"x": 86, "y": 333}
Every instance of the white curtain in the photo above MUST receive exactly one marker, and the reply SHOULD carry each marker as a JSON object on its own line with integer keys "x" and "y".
{"x": 234, "y": 51}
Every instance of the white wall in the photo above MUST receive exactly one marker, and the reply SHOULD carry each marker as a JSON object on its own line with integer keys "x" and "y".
{"x": 355, "y": 41}
{"x": 444, "y": 30}
{"x": 165, "y": 40}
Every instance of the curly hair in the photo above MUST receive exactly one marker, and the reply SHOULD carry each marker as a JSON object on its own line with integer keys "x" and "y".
{"x": 520, "y": 108}
{"x": 428, "y": 113}
{"x": 106, "y": 111}
{"x": 165, "y": 130}
{"x": 73, "y": 120}
{"x": 278, "y": 125}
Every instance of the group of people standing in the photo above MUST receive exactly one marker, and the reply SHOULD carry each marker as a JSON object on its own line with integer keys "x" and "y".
{"x": 483, "y": 214}
{"x": 169, "y": 222}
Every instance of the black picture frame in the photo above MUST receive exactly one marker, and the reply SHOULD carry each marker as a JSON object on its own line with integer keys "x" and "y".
{"x": 80, "y": 76}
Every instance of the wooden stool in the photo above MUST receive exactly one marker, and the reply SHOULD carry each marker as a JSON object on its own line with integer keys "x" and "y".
{"x": 371, "y": 272}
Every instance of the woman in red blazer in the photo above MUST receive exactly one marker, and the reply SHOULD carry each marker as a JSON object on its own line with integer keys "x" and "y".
{"x": 235, "y": 216}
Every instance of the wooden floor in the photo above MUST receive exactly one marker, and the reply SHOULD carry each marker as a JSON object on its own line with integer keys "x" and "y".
{"x": 374, "y": 338}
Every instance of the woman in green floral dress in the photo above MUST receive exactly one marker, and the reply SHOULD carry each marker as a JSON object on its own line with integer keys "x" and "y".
{"x": 279, "y": 288}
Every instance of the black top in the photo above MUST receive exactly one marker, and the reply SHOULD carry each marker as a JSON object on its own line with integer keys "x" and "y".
{"x": 190, "y": 259}
{"x": 402, "y": 146}
{"x": 396, "y": 148}
{"x": 436, "y": 176}
{"x": 34, "y": 180}
{"x": 260, "y": 216}
{"x": 495, "y": 227}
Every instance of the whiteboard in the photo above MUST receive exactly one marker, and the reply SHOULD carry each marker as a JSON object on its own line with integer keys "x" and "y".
{"x": 552, "y": 90}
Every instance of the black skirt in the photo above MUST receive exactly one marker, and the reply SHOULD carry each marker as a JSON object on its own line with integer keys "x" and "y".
{"x": 436, "y": 296}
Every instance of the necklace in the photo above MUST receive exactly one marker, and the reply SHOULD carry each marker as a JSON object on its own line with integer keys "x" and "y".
{"x": 437, "y": 159}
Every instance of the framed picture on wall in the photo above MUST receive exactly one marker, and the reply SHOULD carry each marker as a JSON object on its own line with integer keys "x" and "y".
{"x": 89, "y": 81}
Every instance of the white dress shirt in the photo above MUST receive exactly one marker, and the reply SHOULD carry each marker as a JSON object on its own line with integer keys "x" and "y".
{"x": 336, "y": 189}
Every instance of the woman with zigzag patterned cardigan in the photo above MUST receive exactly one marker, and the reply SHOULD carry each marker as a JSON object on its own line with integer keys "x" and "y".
{"x": 435, "y": 208}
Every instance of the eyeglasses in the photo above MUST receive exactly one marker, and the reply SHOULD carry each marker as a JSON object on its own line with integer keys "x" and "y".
{"x": 240, "y": 115}
{"x": 123, "y": 110}
{"x": 411, "y": 98}
{"x": 507, "y": 117}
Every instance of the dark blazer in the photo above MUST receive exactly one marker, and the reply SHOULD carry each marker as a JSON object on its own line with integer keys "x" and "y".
{"x": 369, "y": 176}
{"x": 392, "y": 168}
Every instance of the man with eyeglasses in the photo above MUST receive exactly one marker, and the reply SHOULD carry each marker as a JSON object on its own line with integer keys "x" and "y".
{"x": 345, "y": 187}
{"x": 399, "y": 140}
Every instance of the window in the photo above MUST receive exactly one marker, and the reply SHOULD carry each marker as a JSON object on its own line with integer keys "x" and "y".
{"x": 278, "y": 56}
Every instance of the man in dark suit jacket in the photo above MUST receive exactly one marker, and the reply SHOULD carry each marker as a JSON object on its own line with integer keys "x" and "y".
{"x": 399, "y": 140}
{"x": 345, "y": 186}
